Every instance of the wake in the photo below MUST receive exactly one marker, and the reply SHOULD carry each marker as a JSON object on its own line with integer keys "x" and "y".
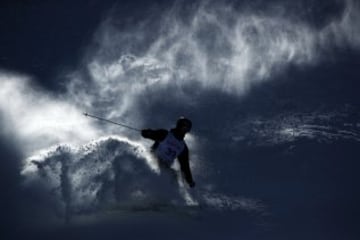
{"x": 118, "y": 175}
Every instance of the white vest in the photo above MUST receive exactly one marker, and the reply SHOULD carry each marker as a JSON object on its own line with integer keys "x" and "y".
{"x": 169, "y": 148}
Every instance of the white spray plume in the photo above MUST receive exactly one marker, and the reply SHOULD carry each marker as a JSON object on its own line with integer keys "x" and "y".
{"x": 214, "y": 47}
{"x": 39, "y": 120}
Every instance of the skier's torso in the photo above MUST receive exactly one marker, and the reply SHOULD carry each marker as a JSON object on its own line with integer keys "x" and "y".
{"x": 170, "y": 148}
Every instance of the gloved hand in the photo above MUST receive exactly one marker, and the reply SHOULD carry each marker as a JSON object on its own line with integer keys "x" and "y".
{"x": 145, "y": 133}
{"x": 192, "y": 184}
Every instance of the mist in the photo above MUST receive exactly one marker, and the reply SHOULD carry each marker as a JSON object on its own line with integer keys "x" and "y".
{"x": 200, "y": 60}
{"x": 128, "y": 69}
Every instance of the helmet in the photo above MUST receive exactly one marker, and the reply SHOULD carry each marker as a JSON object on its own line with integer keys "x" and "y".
{"x": 184, "y": 122}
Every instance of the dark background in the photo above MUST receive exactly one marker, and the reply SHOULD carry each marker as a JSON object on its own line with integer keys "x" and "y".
{"x": 312, "y": 194}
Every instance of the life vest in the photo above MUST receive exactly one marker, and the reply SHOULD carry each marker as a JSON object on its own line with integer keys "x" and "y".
{"x": 169, "y": 148}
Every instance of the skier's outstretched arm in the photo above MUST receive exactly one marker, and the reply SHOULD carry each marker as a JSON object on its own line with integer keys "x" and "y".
{"x": 155, "y": 135}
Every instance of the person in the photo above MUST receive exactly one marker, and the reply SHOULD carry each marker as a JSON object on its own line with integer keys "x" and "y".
{"x": 169, "y": 145}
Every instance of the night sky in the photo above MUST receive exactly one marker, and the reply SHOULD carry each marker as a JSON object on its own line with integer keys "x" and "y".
{"x": 271, "y": 87}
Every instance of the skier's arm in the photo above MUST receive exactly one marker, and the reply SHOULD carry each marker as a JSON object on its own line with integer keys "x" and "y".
{"x": 185, "y": 167}
{"x": 156, "y": 135}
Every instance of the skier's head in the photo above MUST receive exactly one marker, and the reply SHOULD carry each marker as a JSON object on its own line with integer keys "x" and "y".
{"x": 184, "y": 124}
